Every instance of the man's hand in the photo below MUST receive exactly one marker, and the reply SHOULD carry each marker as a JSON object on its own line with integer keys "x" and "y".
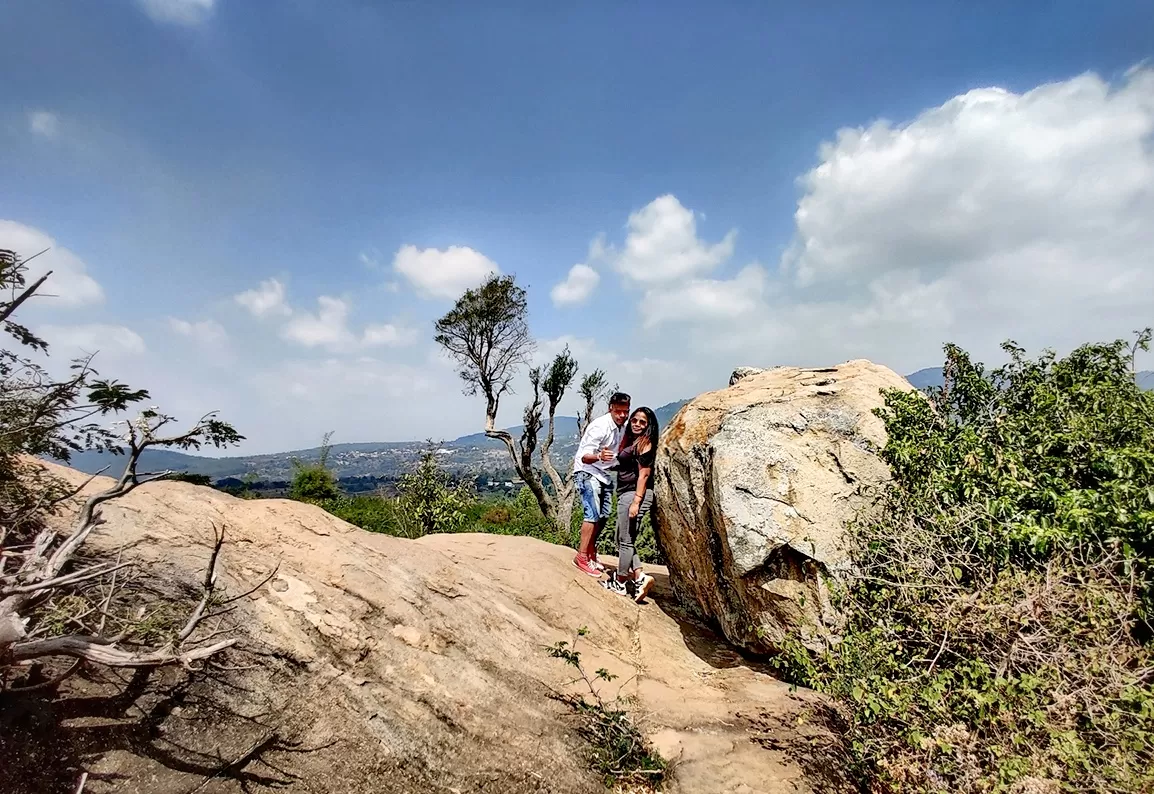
{"x": 635, "y": 508}
{"x": 606, "y": 454}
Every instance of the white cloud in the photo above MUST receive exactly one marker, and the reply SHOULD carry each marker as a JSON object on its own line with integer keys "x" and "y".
{"x": 388, "y": 335}
{"x": 996, "y": 215}
{"x": 706, "y": 300}
{"x": 44, "y": 123}
{"x": 110, "y": 341}
{"x": 180, "y": 12}
{"x": 362, "y": 377}
{"x": 327, "y": 328}
{"x": 267, "y": 300}
{"x": 649, "y": 380}
{"x": 206, "y": 332}
{"x": 663, "y": 246}
{"x": 69, "y": 285}
{"x": 443, "y": 274}
{"x": 577, "y": 286}
{"x": 990, "y": 173}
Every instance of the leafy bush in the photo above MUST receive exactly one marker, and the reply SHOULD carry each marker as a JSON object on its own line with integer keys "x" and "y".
{"x": 194, "y": 479}
{"x": 996, "y": 634}
{"x": 429, "y": 497}
{"x": 313, "y": 482}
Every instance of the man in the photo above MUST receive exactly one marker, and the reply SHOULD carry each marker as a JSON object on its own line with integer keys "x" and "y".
{"x": 596, "y": 455}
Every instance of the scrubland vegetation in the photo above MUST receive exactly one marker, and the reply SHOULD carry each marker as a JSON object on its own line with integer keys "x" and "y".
{"x": 997, "y": 628}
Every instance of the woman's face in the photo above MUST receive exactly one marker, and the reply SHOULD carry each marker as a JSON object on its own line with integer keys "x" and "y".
{"x": 638, "y": 424}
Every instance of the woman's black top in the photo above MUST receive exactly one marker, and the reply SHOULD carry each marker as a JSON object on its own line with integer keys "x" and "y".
{"x": 628, "y": 463}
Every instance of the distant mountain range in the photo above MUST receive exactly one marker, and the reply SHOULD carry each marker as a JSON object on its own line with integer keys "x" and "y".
{"x": 474, "y": 455}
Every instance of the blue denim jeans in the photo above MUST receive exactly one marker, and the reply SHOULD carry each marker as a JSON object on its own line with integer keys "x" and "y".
{"x": 596, "y": 497}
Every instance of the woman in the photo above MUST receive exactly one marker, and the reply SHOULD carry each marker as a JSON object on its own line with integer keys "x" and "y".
{"x": 635, "y": 459}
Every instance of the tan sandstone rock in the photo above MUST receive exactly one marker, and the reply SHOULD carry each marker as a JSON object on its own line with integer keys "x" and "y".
{"x": 369, "y": 664}
{"x": 755, "y": 484}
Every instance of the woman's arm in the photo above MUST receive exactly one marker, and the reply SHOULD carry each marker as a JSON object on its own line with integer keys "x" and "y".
{"x": 643, "y": 473}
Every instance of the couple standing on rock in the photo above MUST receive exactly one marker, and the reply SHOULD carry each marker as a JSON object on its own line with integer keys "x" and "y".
{"x": 611, "y": 444}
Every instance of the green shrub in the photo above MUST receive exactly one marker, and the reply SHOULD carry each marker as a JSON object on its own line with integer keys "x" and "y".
{"x": 996, "y": 634}
{"x": 313, "y": 482}
{"x": 429, "y": 497}
{"x": 195, "y": 479}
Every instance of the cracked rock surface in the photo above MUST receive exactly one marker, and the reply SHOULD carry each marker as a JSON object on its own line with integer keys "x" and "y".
{"x": 755, "y": 484}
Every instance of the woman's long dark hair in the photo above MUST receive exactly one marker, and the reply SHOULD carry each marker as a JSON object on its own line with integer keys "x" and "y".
{"x": 651, "y": 431}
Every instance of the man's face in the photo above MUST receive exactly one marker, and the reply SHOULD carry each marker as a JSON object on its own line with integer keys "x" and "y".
{"x": 619, "y": 413}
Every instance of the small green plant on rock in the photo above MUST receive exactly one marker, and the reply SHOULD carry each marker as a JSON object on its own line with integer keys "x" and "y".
{"x": 618, "y": 750}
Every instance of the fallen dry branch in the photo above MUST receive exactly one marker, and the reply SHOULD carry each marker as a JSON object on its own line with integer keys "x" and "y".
{"x": 41, "y": 574}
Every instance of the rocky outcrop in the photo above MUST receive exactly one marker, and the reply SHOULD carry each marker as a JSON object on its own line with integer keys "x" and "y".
{"x": 369, "y": 663}
{"x": 755, "y": 484}
{"x": 744, "y": 372}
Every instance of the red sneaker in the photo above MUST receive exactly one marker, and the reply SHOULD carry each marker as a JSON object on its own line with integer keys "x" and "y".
{"x": 584, "y": 565}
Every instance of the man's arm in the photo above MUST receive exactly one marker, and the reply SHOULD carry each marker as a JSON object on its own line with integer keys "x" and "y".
{"x": 591, "y": 443}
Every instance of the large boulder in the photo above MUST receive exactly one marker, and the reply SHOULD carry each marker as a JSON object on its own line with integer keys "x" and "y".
{"x": 755, "y": 485}
{"x": 368, "y": 663}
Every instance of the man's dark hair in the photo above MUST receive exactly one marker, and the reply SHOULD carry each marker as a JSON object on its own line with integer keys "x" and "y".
{"x": 619, "y": 398}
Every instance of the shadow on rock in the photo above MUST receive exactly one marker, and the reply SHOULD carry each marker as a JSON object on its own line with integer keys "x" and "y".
{"x": 151, "y": 719}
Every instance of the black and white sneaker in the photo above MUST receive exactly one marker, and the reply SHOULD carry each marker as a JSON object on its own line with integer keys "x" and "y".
{"x": 613, "y": 585}
{"x": 642, "y": 587}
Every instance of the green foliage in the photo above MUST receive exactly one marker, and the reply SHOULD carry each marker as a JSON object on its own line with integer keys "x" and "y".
{"x": 313, "y": 482}
{"x": 430, "y": 498}
{"x": 521, "y": 515}
{"x": 195, "y": 479}
{"x": 487, "y": 333}
{"x": 996, "y": 630}
{"x": 617, "y": 749}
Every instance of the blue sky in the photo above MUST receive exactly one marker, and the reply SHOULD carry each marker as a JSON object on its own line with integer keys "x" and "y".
{"x": 743, "y": 185}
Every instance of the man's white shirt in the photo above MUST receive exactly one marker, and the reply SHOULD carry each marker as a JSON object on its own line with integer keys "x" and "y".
{"x": 602, "y": 432}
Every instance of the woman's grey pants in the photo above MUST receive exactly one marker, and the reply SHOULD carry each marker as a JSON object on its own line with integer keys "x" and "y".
{"x": 627, "y": 529}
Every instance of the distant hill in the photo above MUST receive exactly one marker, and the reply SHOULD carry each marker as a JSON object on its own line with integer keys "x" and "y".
{"x": 473, "y": 454}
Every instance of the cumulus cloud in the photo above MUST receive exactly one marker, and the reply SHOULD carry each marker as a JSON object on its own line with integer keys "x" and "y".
{"x": 577, "y": 286}
{"x": 110, "y": 341}
{"x": 995, "y": 215}
{"x": 69, "y": 285}
{"x": 327, "y": 327}
{"x": 44, "y": 123}
{"x": 388, "y": 335}
{"x": 179, "y": 12}
{"x": 267, "y": 300}
{"x": 663, "y": 247}
{"x": 206, "y": 332}
{"x": 705, "y": 300}
{"x": 443, "y": 274}
{"x": 1064, "y": 167}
